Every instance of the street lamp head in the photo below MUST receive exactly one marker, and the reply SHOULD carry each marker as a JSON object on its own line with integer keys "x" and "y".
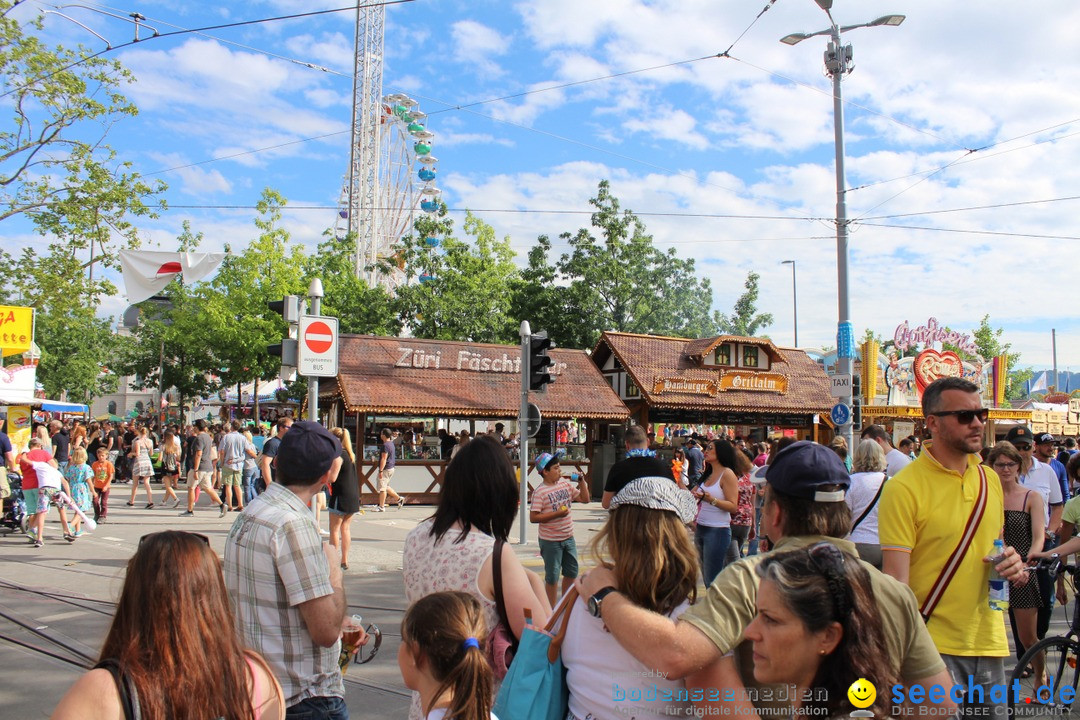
{"x": 794, "y": 38}
{"x": 315, "y": 288}
{"x": 825, "y": 5}
{"x": 787, "y": 262}
{"x": 892, "y": 20}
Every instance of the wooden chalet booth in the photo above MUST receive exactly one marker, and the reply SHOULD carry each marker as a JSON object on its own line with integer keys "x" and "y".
{"x": 727, "y": 380}
{"x": 417, "y": 385}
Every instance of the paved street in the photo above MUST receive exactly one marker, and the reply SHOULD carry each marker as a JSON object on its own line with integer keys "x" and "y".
{"x": 59, "y": 598}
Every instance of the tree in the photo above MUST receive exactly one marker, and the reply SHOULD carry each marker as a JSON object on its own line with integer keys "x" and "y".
{"x": 459, "y": 290}
{"x": 989, "y": 344}
{"x": 359, "y": 307}
{"x": 236, "y": 300}
{"x": 615, "y": 279}
{"x": 54, "y": 164}
{"x": 745, "y": 319}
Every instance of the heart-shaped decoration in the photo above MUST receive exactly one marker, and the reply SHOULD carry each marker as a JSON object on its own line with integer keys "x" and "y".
{"x": 930, "y": 365}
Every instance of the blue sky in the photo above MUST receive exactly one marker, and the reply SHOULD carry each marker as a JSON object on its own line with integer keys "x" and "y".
{"x": 749, "y": 135}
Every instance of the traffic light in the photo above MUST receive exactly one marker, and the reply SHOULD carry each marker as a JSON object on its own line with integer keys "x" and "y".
{"x": 289, "y": 348}
{"x": 539, "y": 362}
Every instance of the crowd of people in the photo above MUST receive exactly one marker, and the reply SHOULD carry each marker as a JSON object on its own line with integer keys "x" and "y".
{"x": 875, "y": 574}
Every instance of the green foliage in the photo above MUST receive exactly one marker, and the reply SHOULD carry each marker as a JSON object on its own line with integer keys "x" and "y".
{"x": 615, "y": 279}
{"x": 70, "y": 186}
{"x": 234, "y": 309}
{"x": 745, "y": 319}
{"x": 360, "y": 308}
{"x": 469, "y": 294}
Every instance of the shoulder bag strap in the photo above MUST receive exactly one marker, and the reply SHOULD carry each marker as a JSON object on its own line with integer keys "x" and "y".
{"x": 951, "y": 566}
{"x": 496, "y": 575}
{"x": 563, "y": 610}
{"x": 114, "y": 669}
{"x": 872, "y": 505}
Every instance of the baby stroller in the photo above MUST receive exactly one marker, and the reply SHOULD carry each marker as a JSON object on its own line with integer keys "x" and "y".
{"x": 14, "y": 507}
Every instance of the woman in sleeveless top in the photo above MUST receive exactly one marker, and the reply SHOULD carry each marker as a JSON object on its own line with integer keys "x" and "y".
{"x": 143, "y": 467}
{"x": 169, "y": 661}
{"x": 719, "y": 496}
{"x": 452, "y": 550}
{"x": 1025, "y": 528}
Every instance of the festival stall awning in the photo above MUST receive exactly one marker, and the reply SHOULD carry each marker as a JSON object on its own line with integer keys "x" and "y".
{"x": 49, "y": 405}
{"x": 681, "y": 374}
{"x": 410, "y": 376}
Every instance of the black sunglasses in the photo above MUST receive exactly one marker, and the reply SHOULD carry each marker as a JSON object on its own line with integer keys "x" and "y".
{"x": 371, "y": 648}
{"x": 184, "y": 532}
{"x": 964, "y": 417}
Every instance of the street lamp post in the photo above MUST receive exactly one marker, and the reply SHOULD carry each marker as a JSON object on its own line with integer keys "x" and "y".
{"x": 794, "y": 300}
{"x": 838, "y": 62}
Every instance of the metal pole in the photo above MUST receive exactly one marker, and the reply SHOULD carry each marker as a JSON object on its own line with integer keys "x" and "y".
{"x": 315, "y": 294}
{"x": 1053, "y": 346}
{"x": 523, "y": 433}
{"x": 795, "y": 303}
{"x": 843, "y": 361}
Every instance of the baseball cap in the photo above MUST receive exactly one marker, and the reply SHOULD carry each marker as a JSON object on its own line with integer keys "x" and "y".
{"x": 803, "y": 467}
{"x": 307, "y": 451}
{"x": 1045, "y": 437}
{"x": 543, "y": 460}
{"x": 1020, "y": 434}
{"x": 657, "y": 493}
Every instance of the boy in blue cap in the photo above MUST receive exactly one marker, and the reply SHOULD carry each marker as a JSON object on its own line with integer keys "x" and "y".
{"x": 550, "y": 509}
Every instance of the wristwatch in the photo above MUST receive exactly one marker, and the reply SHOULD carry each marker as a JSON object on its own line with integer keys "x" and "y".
{"x": 595, "y": 600}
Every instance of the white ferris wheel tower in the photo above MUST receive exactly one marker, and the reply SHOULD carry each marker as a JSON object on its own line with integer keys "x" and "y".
{"x": 382, "y": 192}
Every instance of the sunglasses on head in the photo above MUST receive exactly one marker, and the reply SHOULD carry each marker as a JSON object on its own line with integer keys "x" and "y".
{"x": 965, "y": 417}
{"x": 154, "y": 534}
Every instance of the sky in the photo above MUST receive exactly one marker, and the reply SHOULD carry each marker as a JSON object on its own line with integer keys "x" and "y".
{"x": 962, "y": 132}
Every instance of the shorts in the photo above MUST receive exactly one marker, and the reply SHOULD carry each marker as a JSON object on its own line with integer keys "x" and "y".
{"x": 202, "y": 478}
{"x": 559, "y": 556}
{"x": 37, "y": 500}
{"x": 384, "y": 478}
{"x": 231, "y": 477}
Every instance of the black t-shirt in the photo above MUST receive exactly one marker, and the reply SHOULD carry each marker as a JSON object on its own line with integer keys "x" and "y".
{"x": 115, "y": 437}
{"x": 129, "y": 438}
{"x": 447, "y": 446}
{"x": 270, "y": 450}
{"x": 189, "y": 452}
{"x": 92, "y": 448}
{"x": 633, "y": 468}
{"x": 61, "y": 443}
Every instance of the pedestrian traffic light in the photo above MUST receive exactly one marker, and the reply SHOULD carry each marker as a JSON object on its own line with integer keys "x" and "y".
{"x": 539, "y": 362}
{"x": 288, "y": 349}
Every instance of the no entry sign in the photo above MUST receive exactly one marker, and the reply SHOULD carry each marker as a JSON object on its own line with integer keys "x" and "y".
{"x": 318, "y": 356}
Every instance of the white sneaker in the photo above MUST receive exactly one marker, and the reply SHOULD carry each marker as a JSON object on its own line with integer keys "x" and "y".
{"x": 379, "y": 508}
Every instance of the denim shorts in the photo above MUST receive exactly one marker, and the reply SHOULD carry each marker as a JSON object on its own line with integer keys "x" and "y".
{"x": 318, "y": 708}
{"x": 559, "y": 556}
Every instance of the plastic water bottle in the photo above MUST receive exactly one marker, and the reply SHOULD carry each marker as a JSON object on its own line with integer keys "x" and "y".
{"x": 999, "y": 586}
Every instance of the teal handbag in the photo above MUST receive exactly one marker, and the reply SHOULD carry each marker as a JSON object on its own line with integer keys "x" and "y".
{"x": 535, "y": 687}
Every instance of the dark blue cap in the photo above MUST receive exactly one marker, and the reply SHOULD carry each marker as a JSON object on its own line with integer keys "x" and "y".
{"x": 800, "y": 469}
{"x": 307, "y": 451}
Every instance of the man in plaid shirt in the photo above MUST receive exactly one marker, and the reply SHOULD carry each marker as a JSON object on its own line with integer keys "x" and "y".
{"x": 286, "y": 583}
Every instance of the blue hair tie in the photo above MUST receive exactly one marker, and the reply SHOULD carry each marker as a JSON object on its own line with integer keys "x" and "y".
{"x": 471, "y": 643}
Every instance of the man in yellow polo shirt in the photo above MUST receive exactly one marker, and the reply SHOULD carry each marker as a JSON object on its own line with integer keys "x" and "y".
{"x": 923, "y": 514}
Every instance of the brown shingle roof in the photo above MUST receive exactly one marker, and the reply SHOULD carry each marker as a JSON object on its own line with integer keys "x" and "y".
{"x": 370, "y": 380}
{"x": 649, "y": 358}
{"x": 704, "y": 346}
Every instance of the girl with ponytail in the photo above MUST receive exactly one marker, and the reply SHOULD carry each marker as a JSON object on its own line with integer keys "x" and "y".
{"x": 441, "y": 657}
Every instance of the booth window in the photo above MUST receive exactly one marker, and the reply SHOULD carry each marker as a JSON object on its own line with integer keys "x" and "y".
{"x": 112, "y": 407}
{"x": 610, "y": 380}
{"x": 632, "y": 389}
{"x": 723, "y": 354}
{"x": 749, "y": 356}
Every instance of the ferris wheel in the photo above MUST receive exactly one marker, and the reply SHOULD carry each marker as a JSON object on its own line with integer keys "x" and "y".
{"x": 391, "y": 170}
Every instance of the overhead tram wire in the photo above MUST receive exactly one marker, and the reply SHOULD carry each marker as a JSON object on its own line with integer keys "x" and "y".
{"x": 995, "y": 206}
{"x": 467, "y": 107}
{"x": 156, "y": 35}
{"x": 997, "y": 233}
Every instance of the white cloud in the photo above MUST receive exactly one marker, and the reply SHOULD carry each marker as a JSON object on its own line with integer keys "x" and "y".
{"x": 476, "y": 44}
{"x": 195, "y": 180}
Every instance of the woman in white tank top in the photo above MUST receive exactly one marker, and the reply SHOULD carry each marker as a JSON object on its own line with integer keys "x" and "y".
{"x": 719, "y": 496}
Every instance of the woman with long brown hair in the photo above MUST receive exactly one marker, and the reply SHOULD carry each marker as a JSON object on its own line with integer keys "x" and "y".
{"x": 719, "y": 496}
{"x": 173, "y": 652}
{"x": 818, "y": 628}
{"x": 344, "y": 498}
{"x": 646, "y": 545}
{"x": 170, "y": 467}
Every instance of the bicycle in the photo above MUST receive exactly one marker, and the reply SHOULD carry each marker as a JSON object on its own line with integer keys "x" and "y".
{"x": 1057, "y": 696}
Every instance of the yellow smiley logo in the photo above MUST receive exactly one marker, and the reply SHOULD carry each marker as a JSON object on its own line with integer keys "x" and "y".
{"x": 862, "y": 693}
